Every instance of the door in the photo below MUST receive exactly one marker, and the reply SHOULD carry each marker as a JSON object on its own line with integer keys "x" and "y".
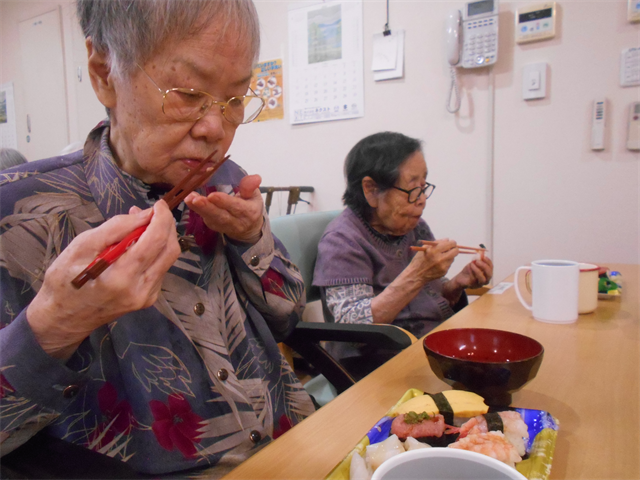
{"x": 85, "y": 110}
{"x": 44, "y": 91}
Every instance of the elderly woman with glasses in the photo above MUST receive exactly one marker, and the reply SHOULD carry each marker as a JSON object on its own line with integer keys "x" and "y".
{"x": 366, "y": 268}
{"x": 168, "y": 359}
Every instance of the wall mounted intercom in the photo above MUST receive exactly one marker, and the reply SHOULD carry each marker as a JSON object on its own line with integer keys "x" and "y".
{"x": 535, "y": 22}
{"x": 472, "y": 35}
{"x": 633, "y": 10}
{"x": 471, "y": 40}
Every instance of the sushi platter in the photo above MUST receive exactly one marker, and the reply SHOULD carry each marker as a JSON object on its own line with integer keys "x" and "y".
{"x": 536, "y": 451}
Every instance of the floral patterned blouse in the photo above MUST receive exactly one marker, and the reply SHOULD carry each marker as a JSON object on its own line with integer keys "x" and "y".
{"x": 196, "y": 380}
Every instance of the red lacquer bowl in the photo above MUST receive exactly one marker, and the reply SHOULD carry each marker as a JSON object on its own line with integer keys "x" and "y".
{"x": 492, "y": 363}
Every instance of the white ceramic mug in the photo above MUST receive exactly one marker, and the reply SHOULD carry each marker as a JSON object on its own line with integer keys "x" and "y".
{"x": 554, "y": 285}
{"x": 588, "y": 290}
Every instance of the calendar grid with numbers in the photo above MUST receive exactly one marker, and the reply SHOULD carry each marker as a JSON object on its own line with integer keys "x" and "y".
{"x": 326, "y": 75}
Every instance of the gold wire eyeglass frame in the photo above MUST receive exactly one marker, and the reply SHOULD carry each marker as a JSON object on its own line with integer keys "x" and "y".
{"x": 203, "y": 111}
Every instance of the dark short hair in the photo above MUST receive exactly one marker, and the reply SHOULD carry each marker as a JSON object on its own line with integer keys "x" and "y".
{"x": 378, "y": 156}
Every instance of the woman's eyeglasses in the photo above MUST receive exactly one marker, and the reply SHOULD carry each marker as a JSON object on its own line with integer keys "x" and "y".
{"x": 188, "y": 105}
{"x": 415, "y": 193}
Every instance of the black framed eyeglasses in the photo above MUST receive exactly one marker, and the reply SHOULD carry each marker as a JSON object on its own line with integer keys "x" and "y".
{"x": 415, "y": 193}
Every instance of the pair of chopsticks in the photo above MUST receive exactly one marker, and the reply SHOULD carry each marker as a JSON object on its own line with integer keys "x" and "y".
{"x": 174, "y": 197}
{"x": 461, "y": 248}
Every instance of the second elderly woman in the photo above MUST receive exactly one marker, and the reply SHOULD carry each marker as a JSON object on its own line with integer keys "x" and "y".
{"x": 365, "y": 267}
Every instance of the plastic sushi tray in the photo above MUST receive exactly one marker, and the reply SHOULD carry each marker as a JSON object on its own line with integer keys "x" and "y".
{"x": 535, "y": 465}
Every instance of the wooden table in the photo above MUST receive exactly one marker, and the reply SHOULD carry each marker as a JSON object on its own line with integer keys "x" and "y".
{"x": 588, "y": 380}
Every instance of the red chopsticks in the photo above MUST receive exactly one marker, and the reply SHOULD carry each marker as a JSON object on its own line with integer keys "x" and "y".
{"x": 177, "y": 194}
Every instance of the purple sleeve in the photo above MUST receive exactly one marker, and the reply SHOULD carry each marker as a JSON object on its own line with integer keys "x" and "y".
{"x": 35, "y": 388}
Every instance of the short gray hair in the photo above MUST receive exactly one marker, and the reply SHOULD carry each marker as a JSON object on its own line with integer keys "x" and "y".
{"x": 10, "y": 157}
{"x": 131, "y": 31}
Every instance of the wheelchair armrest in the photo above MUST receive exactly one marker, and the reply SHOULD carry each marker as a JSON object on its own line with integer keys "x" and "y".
{"x": 306, "y": 338}
{"x": 387, "y": 336}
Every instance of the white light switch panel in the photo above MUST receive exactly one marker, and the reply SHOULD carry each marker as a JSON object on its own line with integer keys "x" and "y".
{"x": 534, "y": 81}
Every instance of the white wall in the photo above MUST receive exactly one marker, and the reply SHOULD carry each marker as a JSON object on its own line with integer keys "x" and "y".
{"x": 552, "y": 196}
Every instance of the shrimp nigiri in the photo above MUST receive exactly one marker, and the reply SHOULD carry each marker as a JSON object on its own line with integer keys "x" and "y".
{"x": 514, "y": 429}
{"x": 492, "y": 444}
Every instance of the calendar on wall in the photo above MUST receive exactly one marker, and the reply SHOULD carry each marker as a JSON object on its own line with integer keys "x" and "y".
{"x": 326, "y": 75}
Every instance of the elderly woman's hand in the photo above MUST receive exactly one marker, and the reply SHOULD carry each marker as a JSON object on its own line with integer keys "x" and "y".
{"x": 425, "y": 266}
{"x": 476, "y": 273}
{"x": 61, "y": 316}
{"x": 239, "y": 217}
{"x": 434, "y": 262}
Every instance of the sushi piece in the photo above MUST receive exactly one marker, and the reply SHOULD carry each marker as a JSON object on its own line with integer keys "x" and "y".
{"x": 492, "y": 444}
{"x": 358, "y": 469}
{"x": 379, "y": 452}
{"x": 453, "y": 403}
{"x": 509, "y": 422}
{"x": 412, "y": 444}
{"x": 416, "y": 425}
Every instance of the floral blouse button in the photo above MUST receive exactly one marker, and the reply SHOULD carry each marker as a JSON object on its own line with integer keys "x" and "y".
{"x": 184, "y": 244}
{"x": 255, "y": 261}
{"x": 198, "y": 309}
{"x": 255, "y": 436}
{"x": 223, "y": 374}
{"x": 71, "y": 391}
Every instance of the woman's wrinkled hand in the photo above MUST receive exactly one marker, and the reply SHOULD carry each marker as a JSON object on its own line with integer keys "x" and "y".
{"x": 239, "y": 217}
{"x": 62, "y": 316}
{"x": 434, "y": 262}
{"x": 476, "y": 273}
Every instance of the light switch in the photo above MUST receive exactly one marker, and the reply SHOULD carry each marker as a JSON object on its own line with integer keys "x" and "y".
{"x": 534, "y": 81}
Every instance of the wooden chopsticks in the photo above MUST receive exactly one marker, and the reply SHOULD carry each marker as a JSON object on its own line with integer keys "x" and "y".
{"x": 461, "y": 248}
{"x": 177, "y": 194}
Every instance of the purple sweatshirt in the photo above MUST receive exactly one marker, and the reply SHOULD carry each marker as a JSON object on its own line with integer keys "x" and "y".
{"x": 351, "y": 252}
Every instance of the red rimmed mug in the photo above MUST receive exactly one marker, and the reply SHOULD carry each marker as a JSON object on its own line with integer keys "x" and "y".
{"x": 588, "y": 288}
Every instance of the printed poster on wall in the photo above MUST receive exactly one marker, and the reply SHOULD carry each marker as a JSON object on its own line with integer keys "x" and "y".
{"x": 326, "y": 73}
{"x": 267, "y": 83}
{"x": 8, "y": 130}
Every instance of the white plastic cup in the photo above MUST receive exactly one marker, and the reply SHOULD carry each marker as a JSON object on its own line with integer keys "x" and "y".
{"x": 444, "y": 464}
{"x": 554, "y": 290}
{"x": 588, "y": 288}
